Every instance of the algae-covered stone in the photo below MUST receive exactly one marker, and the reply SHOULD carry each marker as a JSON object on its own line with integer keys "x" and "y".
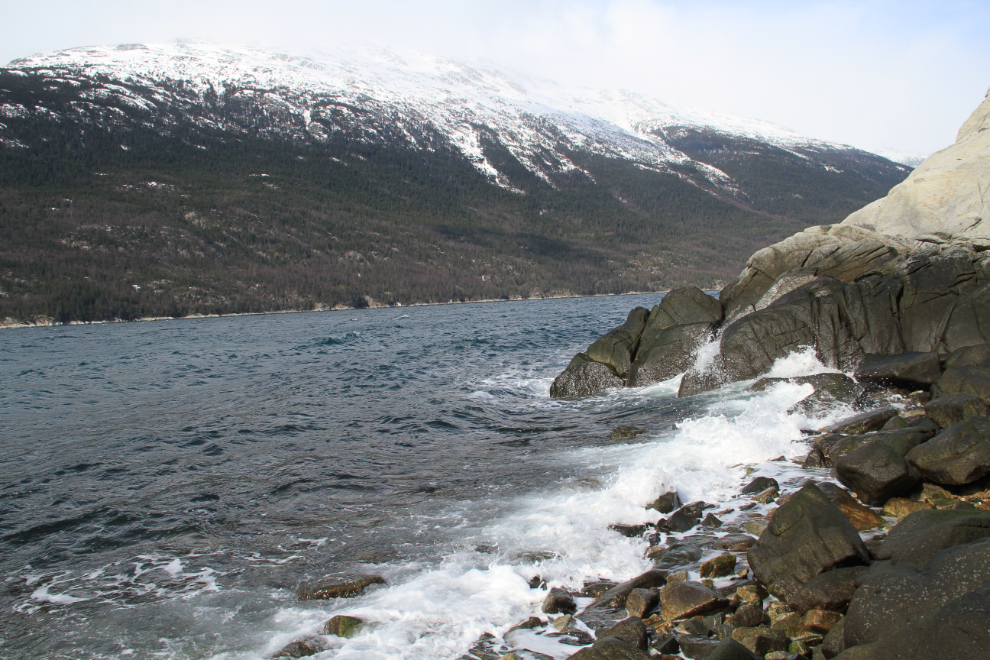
{"x": 898, "y": 507}
{"x": 342, "y": 586}
{"x": 302, "y": 648}
{"x": 342, "y": 625}
{"x": 719, "y": 566}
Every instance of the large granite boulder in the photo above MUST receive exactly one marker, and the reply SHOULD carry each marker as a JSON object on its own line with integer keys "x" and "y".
{"x": 892, "y": 597}
{"x": 958, "y": 629}
{"x": 877, "y": 470}
{"x": 668, "y": 352}
{"x": 922, "y": 534}
{"x": 806, "y": 536}
{"x": 617, "y": 346}
{"x": 584, "y": 377}
{"x": 958, "y": 456}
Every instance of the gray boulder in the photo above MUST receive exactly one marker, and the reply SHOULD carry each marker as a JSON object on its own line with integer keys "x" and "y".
{"x": 877, "y": 470}
{"x": 669, "y": 352}
{"x": 630, "y": 630}
{"x": 970, "y": 356}
{"x": 687, "y": 305}
{"x": 910, "y": 370}
{"x": 610, "y": 648}
{"x": 679, "y": 600}
{"x": 891, "y": 598}
{"x": 866, "y": 422}
{"x": 959, "y": 455}
{"x": 584, "y": 377}
{"x": 806, "y": 536}
{"x": 617, "y": 346}
{"x": 949, "y": 410}
{"x": 558, "y": 601}
{"x": 974, "y": 380}
{"x": 922, "y": 534}
{"x": 831, "y": 590}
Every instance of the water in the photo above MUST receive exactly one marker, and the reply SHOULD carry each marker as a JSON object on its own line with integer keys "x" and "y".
{"x": 167, "y": 486}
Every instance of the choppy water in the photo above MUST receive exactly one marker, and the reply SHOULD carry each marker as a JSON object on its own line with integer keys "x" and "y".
{"x": 166, "y": 486}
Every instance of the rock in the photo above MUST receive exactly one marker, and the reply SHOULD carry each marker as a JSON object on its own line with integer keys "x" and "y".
{"x": 641, "y": 602}
{"x": 625, "y": 432}
{"x": 831, "y": 590}
{"x": 629, "y": 531}
{"x": 821, "y": 621}
{"x": 830, "y": 390}
{"x": 631, "y": 630}
{"x": 617, "y": 347}
{"x": 559, "y": 601}
{"x": 959, "y": 455}
{"x": 664, "y": 643}
{"x": 616, "y": 596}
{"x": 684, "y": 599}
{"x": 561, "y": 623}
{"x": 684, "y": 518}
{"x": 861, "y": 517}
{"x": 697, "y": 647}
{"x": 941, "y": 200}
{"x": 666, "y": 502}
{"x": 343, "y": 586}
{"x": 719, "y": 566}
{"x": 866, "y": 422}
{"x": 878, "y": 471}
{"x": 753, "y": 592}
{"x": 684, "y": 306}
{"x": 759, "y": 485}
{"x": 761, "y": 639}
{"x": 342, "y": 625}
{"x": 302, "y": 648}
{"x": 970, "y": 356}
{"x": 536, "y": 622}
{"x": 671, "y": 352}
{"x": 755, "y": 527}
{"x": 959, "y": 629}
{"x": 896, "y": 423}
{"x": 947, "y": 411}
{"x": 973, "y": 380}
{"x": 749, "y": 615}
{"x": 711, "y": 521}
{"x": 806, "y": 536}
{"x": 834, "y": 642}
{"x": 911, "y": 370}
{"x": 733, "y": 542}
{"x": 584, "y": 377}
{"x": 767, "y": 496}
{"x": 730, "y": 649}
{"x": 898, "y": 507}
{"x": 893, "y": 597}
{"x": 610, "y": 648}
{"x": 922, "y": 534}
{"x": 678, "y": 555}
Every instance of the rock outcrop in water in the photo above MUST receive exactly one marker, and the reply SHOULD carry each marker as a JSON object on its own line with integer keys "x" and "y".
{"x": 908, "y": 273}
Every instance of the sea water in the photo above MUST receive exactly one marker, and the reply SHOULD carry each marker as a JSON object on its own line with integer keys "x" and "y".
{"x": 165, "y": 487}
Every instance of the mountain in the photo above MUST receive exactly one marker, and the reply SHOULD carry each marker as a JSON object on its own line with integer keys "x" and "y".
{"x": 172, "y": 179}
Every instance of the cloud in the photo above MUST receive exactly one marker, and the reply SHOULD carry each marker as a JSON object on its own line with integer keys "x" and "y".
{"x": 899, "y": 75}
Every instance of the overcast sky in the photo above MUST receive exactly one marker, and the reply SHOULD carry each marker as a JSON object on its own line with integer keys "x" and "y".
{"x": 875, "y": 74}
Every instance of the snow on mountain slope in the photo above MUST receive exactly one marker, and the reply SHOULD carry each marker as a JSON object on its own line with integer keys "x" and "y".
{"x": 420, "y": 100}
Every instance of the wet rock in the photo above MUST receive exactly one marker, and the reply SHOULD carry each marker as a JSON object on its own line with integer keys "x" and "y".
{"x": 342, "y": 586}
{"x": 958, "y": 629}
{"x": 806, "y": 536}
{"x": 718, "y": 566}
{"x": 559, "y": 601}
{"x": 665, "y": 643}
{"x": 631, "y": 630}
{"x": 302, "y": 648}
{"x": 730, "y": 649}
{"x": 759, "y": 485}
{"x": 641, "y": 602}
{"x": 629, "y": 531}
{"x": 584, "y": 377}
{"x": 970, "y": 356}
{"x": 761, "y": 639}
{"x": 816, "y": 459}
{"x": 671, "y": 352}
{"x": 616, "y": 347}
{"x": 679, "y": 555}
{"x": 959, "y": 455}
{"x": 878, "y": 471}
{"x": 711, "y": 521}
{"x": 831, "y": 590}
{"x": 733, "y": 543}
{"x": 922, "y": 534}
{"x": 666, "y": 502}
{"x": 767, "y": 496}
{"x": 898, "y": 507}
{"x": 894, "y": 596}
{"x": 697, "y": 647}
{"x": 861, "y": 517}
{"x": 685, "y": 599}
{"x": 616, "y": 596}
{"x": 610, "y": 648}
{"x": 866, "y": 422}
{"x": 755, "y": 527}
{"x": 684, "y": 518}
{"x": 821, "y": 621}
{"x": 625, "y": 432}
{"x": 560, "y": 624}
{"x": 753, "y": 592}
{"x": 947, "y": 411}
{"x": 910, "y": 370}
{"x": 342, "y": 625}
{"x": 749, "y": 615}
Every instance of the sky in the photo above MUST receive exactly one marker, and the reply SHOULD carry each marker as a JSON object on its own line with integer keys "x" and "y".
{"x": 899, "y": 76}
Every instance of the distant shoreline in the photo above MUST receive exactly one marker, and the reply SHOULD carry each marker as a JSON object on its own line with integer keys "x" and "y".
{"x": 16, "y": 326}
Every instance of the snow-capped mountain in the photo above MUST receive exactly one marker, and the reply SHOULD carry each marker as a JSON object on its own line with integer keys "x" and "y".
{"x": 415, "y": 100}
